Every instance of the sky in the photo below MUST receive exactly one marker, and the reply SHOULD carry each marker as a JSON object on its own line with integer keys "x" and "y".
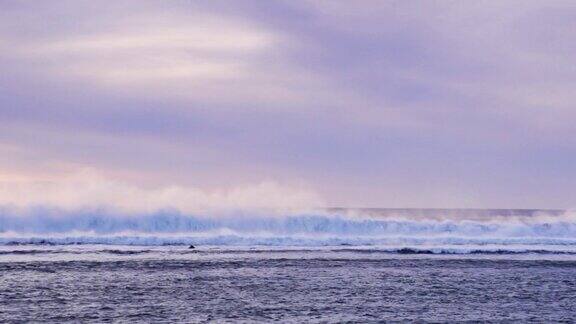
{"x": 449, "y": 104}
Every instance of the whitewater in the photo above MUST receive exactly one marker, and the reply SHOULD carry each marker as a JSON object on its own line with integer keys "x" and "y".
{"x": 421, "y": 230}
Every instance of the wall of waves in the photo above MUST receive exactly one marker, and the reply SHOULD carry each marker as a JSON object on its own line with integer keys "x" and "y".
{"x": 325, "y": 227}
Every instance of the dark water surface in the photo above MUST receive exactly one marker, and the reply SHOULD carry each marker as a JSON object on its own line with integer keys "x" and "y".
{"x": 172, "y": 285}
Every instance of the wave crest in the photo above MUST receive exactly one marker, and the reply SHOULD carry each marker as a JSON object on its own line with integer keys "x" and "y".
{"x": 312, "y": 229}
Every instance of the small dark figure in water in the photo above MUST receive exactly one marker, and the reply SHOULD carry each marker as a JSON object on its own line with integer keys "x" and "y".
{"x": 191, "y": 247}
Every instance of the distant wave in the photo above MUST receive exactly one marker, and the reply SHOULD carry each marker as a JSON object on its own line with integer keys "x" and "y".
{"x": 355, "y": 250}
{"x": 312, "y": 229}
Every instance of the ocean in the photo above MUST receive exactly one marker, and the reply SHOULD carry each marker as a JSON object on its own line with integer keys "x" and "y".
{"x": 335, "y": 266}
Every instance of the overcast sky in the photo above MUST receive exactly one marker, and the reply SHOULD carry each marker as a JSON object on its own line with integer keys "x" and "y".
{"x": 360, "y": 103}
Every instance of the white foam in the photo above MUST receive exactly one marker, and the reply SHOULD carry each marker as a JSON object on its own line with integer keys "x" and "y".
{"x": 312, "y": 229}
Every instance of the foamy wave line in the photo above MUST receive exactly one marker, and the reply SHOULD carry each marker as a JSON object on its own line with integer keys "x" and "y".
{"x": 405, "y": 250}
{"x": 304, "y": 241}
{"x": 291, "y": 230}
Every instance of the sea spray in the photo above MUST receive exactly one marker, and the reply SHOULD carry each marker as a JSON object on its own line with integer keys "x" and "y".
{"x": 319, "y": 228}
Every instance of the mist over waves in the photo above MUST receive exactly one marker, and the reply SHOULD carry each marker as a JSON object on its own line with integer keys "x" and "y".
{"x": 322, "y": 227}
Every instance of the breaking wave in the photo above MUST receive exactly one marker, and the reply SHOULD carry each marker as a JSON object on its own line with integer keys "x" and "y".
{"x": 536, "y": 231}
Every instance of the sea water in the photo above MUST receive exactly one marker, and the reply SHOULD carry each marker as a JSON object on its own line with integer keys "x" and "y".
{"x": 498, "y": 266}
